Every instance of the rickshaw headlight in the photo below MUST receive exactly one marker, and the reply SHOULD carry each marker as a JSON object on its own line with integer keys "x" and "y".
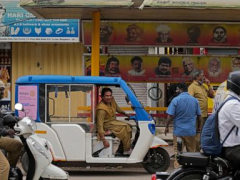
{"x": 152, "y": 128}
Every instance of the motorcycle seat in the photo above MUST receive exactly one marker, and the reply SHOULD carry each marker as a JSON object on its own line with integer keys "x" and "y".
{"x": 192, "y": 159}
{"x": 222, "y": 162}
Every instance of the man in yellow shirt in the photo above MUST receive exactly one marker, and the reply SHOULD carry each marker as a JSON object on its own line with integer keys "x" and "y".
{"x": 106, "y": 120}
{"x": 201, "y": 89}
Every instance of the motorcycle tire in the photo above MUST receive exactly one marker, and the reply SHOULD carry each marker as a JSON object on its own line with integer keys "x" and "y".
{"x": 25, "y": 162}
{"x": 158, "y": 163}
{"x": 187, "y": 174}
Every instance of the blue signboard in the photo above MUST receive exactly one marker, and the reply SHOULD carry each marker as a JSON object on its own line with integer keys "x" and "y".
{"x": 18, "y": 25}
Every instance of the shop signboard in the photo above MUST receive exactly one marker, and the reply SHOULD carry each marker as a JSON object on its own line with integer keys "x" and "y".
{"x": 180, "y": 34}
{"x": 192, "y": 3}
{"x": 18, "y": 25}
{"x": 165, "y": 68}
{"x": 91, "y": 3}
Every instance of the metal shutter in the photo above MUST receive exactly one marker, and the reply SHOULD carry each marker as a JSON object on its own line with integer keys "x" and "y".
{"x": 140, "y": 90}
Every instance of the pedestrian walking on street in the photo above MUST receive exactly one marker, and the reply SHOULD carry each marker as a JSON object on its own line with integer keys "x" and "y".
{"x": 184, "y": 110}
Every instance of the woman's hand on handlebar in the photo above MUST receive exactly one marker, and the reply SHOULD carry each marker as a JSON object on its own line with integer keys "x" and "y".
{"x": 130, "y": 118}
{"x": 126, "y": 114}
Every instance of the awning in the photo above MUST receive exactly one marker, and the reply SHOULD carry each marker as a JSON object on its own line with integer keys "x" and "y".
{"x": 192, "y": 3}
{"x": 86, "y": 3}
{"x": 155, "y": 10}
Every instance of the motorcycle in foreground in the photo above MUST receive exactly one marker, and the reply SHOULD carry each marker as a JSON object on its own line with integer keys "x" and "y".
{"x": 39, "y": 151}
{"x": 197, "y": 166}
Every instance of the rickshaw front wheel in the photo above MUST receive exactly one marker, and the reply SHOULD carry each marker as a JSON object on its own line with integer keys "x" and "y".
{"x": 156, "y": 160}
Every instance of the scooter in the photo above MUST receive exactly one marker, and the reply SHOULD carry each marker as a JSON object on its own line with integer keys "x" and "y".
{"x": 39, "y": 151}
{"x": 198, "y": 166}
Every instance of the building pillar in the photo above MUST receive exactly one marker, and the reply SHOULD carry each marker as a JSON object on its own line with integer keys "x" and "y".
{"x": 95, "y": 44}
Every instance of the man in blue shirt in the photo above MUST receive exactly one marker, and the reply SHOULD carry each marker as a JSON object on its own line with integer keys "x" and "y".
{"x": 184, "y": 110}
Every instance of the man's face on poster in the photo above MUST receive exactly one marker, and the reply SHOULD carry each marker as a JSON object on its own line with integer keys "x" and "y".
{"x": 137, "y": 66}
{"x": 105, "y": 33}
{"x": 193, "y": 33}
{"x": 132, "y": 34}
{"x": 164, "y": 35}
{"x": 113, "y": 67}
{"x": 164, "y": 67}
{"x": 219, "y": 34}
{"x": 214, "y": 66}
{"x": 188, "y": 66}
{"x": 236, "y": 64}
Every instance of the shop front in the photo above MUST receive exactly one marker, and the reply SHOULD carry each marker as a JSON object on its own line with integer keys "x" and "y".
{"x": 32, "y": 46}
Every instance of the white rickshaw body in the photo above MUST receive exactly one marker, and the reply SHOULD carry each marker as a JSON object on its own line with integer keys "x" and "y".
{"x": 64, "y": 108}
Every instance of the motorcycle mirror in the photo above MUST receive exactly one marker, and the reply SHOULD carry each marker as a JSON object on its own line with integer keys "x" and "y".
{"x": 19, "y": 107}
{"x": 179, "y": 144}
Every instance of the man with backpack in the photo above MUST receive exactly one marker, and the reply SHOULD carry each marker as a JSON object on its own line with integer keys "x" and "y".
{"x": 229, "y": 120}
{"x": 183, "y": 111}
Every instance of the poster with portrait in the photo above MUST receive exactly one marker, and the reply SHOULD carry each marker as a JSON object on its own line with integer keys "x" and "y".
{"x": 165, "y": 34}
{"x": 165, "y": 68}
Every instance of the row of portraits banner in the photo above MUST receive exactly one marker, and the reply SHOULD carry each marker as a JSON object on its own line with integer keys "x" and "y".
{"x": 164, "y": 34}
{"x": 164, "y": 68}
